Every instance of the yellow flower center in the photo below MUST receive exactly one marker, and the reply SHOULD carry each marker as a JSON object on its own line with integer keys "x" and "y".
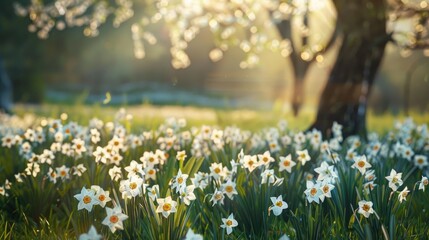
{"x": 86, "y": 199}
{"x": 114, "y": 219}
{"x": 279, "y": 204}
{"x": 133, "y": 185}
{"x": 217, "y": 170}
{"x": 166, "y": 207}
{"x": 250, "y": 163}
{"x": 151, "y": 159}
{"x": 229, "y": 189}
{"x": 361, "y": 164}
{"x": 265, "y": 159}
{"x": 420, "y": 161}
{"x": 425, "y": 182}
{"x": 286, "y": 163}
{"x": 366, "y": 207}
{"x": 218, "y": 196}
{"x": 313, "y": 191}
{"x": 180, "y": 180}
{"x": 102, "y": 197}
{"x": 394, "y": 180}
{"x": 63, "y": 173}
{"x": 151, "y": 172}
{"x": 326, "y": 189}
{"x": 228, "y": 222}
{"x": 302, "y": 155}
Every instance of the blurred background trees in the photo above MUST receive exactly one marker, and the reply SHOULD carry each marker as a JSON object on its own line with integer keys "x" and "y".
{"x": 259, "y": 51}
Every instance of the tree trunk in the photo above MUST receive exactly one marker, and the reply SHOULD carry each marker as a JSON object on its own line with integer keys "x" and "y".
{"x": 345, "y": 96}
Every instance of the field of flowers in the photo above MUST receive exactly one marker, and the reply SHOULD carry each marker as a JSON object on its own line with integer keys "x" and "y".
{"x": 106, "y": 180}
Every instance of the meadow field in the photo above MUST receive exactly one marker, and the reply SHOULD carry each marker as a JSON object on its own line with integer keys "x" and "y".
{"x": 169, "y": 172}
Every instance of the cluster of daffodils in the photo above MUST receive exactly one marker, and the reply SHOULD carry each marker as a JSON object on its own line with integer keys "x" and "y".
{"x": 206, "y": 170}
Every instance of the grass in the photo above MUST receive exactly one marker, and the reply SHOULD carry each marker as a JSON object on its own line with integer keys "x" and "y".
{"x": 150, "y": 116}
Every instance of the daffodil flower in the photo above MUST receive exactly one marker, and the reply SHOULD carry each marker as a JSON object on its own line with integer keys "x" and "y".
{"x": 114, "y": 219}
{"x": 229, "y": 223}
{"x": 86, "y": 199}
{"x": 278, "y": 205}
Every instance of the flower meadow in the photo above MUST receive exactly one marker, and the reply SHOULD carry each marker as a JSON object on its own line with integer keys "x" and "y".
{"x": 61, "y": 179}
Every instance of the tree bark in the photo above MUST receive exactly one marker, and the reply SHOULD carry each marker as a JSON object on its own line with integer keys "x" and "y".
{"x": 345, "y": 96}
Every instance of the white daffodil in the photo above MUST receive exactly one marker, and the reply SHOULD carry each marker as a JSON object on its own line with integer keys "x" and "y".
{"x": 153, "y": 192}
{"x": 115, "y": 173}
{"x": 166, "y": 206}
{"x": 395, "y": 180}
{"x": 131, "y": 187}
{"x": 150, "y": 159}
{"x": 229, "y": 223}
{"x": 370, "y": 175}
{"x": 365, "y": 208}
{"x": 217, "y": 171}
{"x": 268, "y": 176}
{"x": 150, "y": 173}
{"x": 79, "y": 169}
{"x": 303, "y": 156}
{"x": 101, "y": 155}
{"x": 313, "y": 192}
{"x": 423, "y": 183}
{"x": 181, "y": 155}
{"x": 420, "y": 161}
{"x": 326, "y": 172}
{"x": 179, "y": 181}
{"x": 403, "y": 194}
{"x": 86, "y": 199}
{"x": 78, "y": 146}
{"x": 190, "y": 235}
{"x": 250, "y": 162}
{"x": 286, "y": 163}
{"x": 101, "y": 195}
{"x": 52, "y": 175}
{"x": 369, "y": 186}
{"x": 134, "y": 169}
{"x": 33, "y": 168}
{"x": 265, "y": 159}
{"x": 361, "y": 164}
{"x": 229, "y": 189}
{"x": 91, "y": 235}
{"x": 217, "y": 197}
{"x": 326, "y": 188}
{"x": 63, "y": 172}
{"x": 187, "y": 194}
{"x": 114, "y": 219}
{"x": 3, "y": 191}
{"x": 278, "y": 205}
